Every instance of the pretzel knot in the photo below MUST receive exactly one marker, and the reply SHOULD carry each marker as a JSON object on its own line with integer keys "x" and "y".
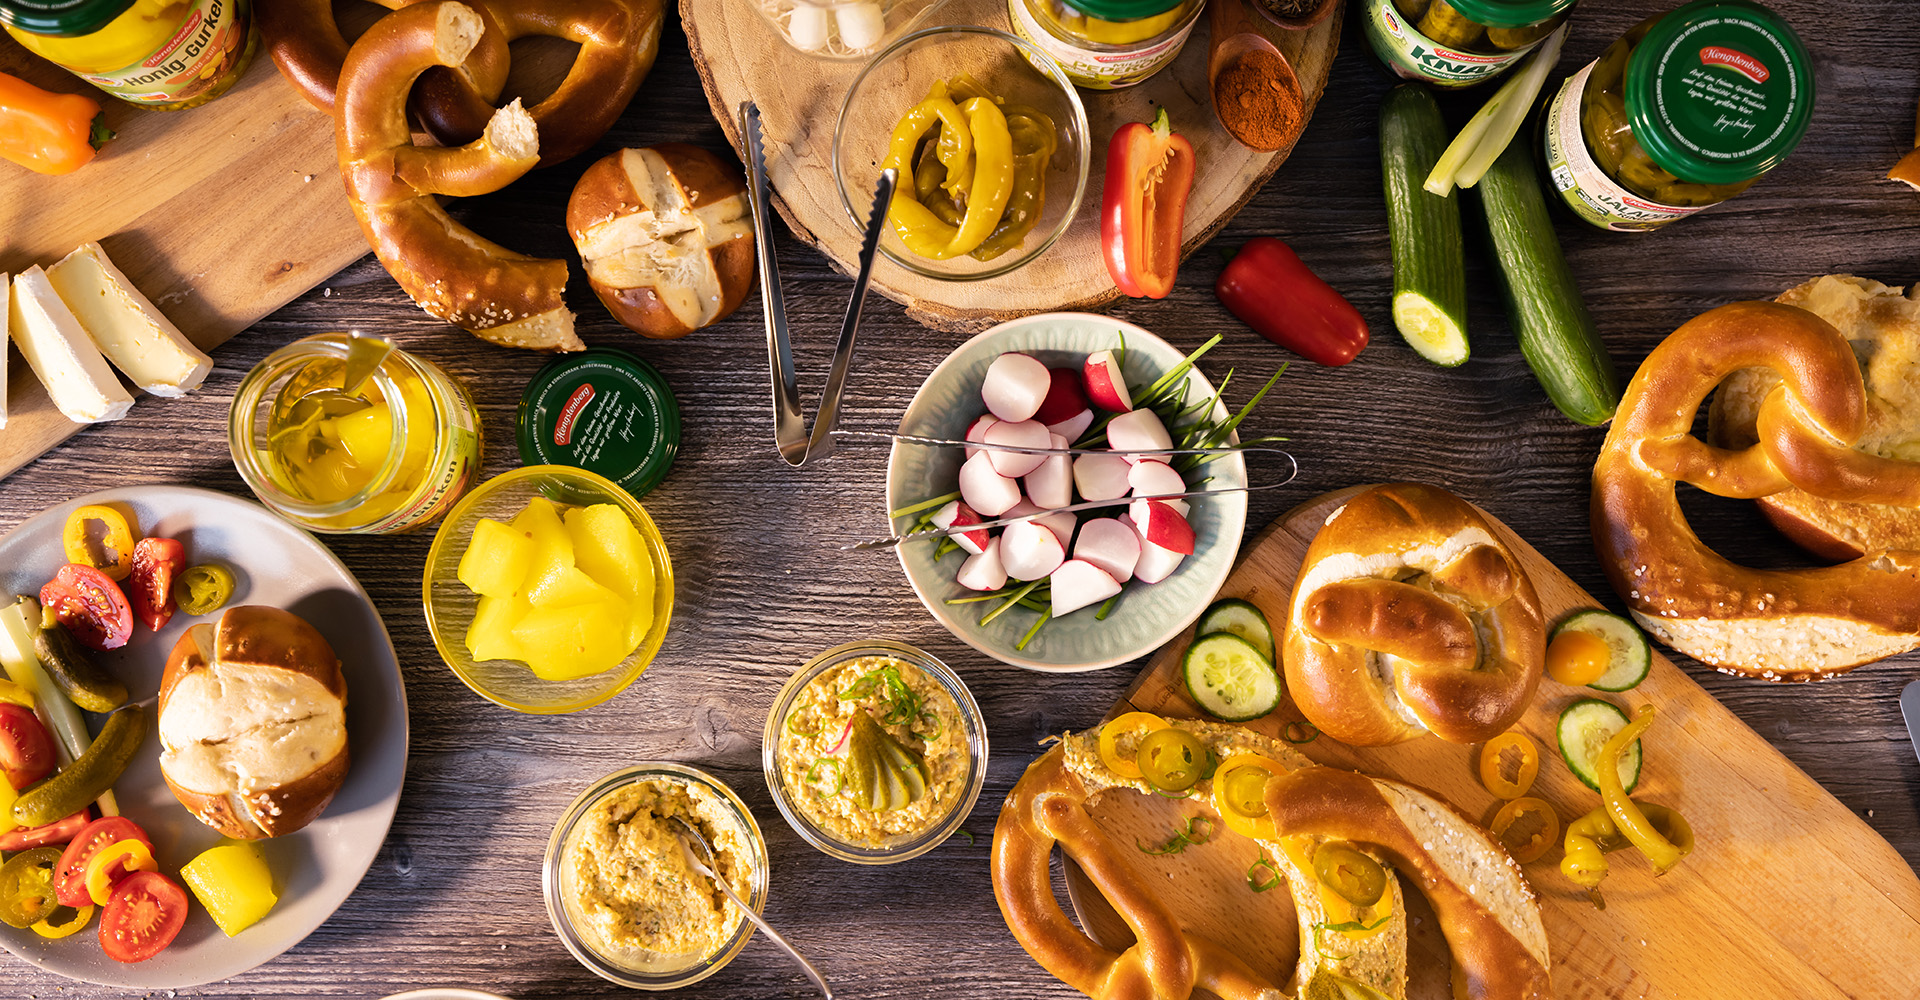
{"x": 1779, "y": 624}
{"x": 1410, "y": 616}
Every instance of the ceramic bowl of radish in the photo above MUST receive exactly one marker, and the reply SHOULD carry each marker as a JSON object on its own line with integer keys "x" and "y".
{"x": 1073, "y": 589}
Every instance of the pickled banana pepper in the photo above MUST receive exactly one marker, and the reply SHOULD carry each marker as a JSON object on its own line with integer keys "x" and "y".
{"x": 973, "y": 172}
{"x": 1458, "y": 43}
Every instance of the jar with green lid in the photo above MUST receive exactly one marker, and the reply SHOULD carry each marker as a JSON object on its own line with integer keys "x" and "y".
{"x": 1107, "y": 44}
{"x": 161, "y": 54}
{"x": 603, "y": 410}
{"x": 1458, "y": 43}
{"x": 1685, "y": 110}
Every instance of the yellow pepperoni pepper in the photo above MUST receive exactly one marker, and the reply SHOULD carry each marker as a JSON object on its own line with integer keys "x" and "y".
{"x": 14, "y": 694}
{"x": 1660, "y": 833}
{"x": 924, "y": 232}
{"x": 54, "y": 931}
{"x": 111, "y": 552}
{"x": 1626, "y": 813}
{"x": 137, "y": 855}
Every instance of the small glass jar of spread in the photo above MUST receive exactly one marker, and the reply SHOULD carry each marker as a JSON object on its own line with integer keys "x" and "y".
{"x": 1107, "y": 44}
{"x": 1685, "y": 110}
{"x": 1458, "y": 43}
{"x": 161, "y": 54}
{"x": 388, "y": 455}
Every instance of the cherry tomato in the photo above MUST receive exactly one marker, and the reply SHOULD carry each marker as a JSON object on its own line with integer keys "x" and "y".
{"x": 155, "y": 563}
{"x": 90, "y": 605}
{"x": 1576, "y": 658}
{"x": 143, "y": 916}
{"x": 70, "y": 879}
{"x": 57, "y": 832}
{"x": 26, "y": 751}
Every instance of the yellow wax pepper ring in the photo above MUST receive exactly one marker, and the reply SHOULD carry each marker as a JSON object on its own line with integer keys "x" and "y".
{"x": 110, "y": 550}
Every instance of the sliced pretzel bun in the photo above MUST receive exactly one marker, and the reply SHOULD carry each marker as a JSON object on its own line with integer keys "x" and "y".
{"x": 253, "y": 730}
{"x": 1883, "y": 328}
{"x": 666, "y": 237}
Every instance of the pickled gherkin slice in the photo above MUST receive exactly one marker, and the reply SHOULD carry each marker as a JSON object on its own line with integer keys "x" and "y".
{"x": 883, "y": 775}
{"x": 1449, "y": 27}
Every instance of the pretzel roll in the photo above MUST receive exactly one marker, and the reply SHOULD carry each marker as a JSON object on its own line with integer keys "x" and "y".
{"x": 502, "y": 296}
{"x": 1410, "y": 616}
{"x": 1778, "y": 624}
{"x": 305, "y": 42}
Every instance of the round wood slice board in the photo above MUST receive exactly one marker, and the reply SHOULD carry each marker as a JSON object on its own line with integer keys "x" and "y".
{"x": 740, "y": 58}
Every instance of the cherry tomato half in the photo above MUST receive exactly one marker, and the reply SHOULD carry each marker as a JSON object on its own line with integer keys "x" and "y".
{"x": 142, "y": 917}
{"x": 57, "y": 832}
{"x": 155, "y": 563}
{"x": 90, "y": 605}
{"x": 26, "y": 751}
{"x": 1576, "y": 658}
{"x": 70, "y": 880}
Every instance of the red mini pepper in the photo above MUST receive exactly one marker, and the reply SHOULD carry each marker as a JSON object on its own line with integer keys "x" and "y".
{"x": 1149, "y": 173}
{"x": 48, "y": 132}
{"x": 1270, "y": 288}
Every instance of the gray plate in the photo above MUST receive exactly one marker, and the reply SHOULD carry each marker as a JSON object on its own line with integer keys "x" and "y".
{"x": 1910, "y": 709}
{"x": 316, "y": 868}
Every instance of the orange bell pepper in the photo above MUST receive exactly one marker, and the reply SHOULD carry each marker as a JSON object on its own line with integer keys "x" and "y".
{"x": 48, "y": 132}
{"x": 1149, "y": 174}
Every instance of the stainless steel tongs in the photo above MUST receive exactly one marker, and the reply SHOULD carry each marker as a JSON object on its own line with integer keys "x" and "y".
{"x": 790, "y": 432}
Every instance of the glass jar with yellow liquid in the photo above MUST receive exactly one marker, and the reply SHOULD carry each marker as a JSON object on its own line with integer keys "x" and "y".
{"x": 344, "y": 434}
{"x": 162, "y": 54}
{"x": 1107, "y": 44}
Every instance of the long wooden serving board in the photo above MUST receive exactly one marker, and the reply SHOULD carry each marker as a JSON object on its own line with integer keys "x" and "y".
{"x": 740, "y": 57}
{"x": 1787, "y": 895}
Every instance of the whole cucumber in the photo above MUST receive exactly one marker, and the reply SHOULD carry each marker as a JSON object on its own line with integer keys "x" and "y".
{"x": 89, "y": 776}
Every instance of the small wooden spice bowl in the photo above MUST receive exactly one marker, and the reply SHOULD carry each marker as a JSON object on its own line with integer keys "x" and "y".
{"x": 1315, "y": 12}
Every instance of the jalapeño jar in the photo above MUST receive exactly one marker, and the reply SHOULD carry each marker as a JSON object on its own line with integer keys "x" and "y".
{"x": 1458, "y": 43}
{"x": 161, "y": 54}
{"x": 1107, "y": 44}
{"x": 1685, "y": 110}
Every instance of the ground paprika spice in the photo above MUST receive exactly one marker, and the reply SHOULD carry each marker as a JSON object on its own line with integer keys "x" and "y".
{"x": 1258, "y": 101}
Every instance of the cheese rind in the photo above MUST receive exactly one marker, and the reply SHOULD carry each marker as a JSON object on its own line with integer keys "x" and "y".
{"x": 54, "y": 343}
{"x": 126, "y": 326}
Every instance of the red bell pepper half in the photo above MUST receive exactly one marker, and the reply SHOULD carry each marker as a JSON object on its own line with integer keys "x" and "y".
{"x": 1270, "y": 289}
{"x": 1149, "y": 173}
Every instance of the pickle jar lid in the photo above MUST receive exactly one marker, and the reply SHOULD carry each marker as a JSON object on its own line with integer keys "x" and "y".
{"x": 1120, "y": 10}
{"x": 1719, "y": 91}
{"x": 61, "y": 18}
{"x": 1509, "y": 13}
{"x": 603, "y": 410}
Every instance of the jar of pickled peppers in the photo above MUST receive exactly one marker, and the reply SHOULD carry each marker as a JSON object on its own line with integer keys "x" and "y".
{"x": 1685, "y": 110}
{"x": 161, "y": 54}
{"x": 1107, "y": 44}
{"x": 1458, "y": 43}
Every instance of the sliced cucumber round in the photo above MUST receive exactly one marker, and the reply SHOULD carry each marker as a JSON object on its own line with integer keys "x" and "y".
{"x": 1584, "y": 728}
{"x": 1240, "y": 618}
{"x": 1629, "y": 658}
{"x": 1229, "y": 679}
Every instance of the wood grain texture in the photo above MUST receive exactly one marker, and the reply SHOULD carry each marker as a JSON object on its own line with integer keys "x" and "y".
{"x": 454, "y": 897}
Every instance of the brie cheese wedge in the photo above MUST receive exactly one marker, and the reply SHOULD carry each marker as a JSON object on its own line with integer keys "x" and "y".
{"x": 3, "y": 350}
{"x": 134, "y": 335}
{"x": 60, "y": 352}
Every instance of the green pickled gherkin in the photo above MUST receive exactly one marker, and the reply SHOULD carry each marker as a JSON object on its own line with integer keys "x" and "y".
{"x": 1451, "y": 28}
{"x": 1604, "y": 124}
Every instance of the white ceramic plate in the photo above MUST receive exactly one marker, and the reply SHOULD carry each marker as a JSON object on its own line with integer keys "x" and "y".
{"x": 315, "y": 868}
{"x": 1147, "y": 616}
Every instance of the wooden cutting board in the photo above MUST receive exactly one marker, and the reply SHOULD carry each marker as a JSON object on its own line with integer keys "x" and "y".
{"x": 1786, "y": 895}
{"x": 740, "y": 57}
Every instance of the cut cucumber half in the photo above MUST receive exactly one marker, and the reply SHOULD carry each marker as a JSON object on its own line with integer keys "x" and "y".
{"x": 1429, "y": 329}
{"x": 1630, "y": 658}
{"x": 1229, "y": 679}
{"x": 1585, "y": 727}
{"x": 1240, "y": 618}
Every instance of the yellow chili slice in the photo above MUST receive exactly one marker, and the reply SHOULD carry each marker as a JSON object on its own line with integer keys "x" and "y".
{"x": 203, "y": 589}
{"x": 1493, "y": 771}
{"x": 1535, "y": 846}
{"x": 14, "y": 694}
{"x": 1662, "y": 853}
{"x": 1358, "y": 879}
{"x": 47, "y": 929}
{"x": 109, "y": 550}
{"x": 1140, "y": 723}
{"x": 1240, "y": 794}
{"x": 134, "y": 852}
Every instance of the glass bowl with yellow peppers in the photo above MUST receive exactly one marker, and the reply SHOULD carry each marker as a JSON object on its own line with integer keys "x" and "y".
{"x": 990, "y": 139}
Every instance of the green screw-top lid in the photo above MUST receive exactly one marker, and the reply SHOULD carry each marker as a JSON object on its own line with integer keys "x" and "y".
{"x": 1719, "y": 91}
{"x": 1509, "y": 13}
{"x": 1121, "y": 10}
{"x": 603, "y": 410}
{"x": 63, "y": 18}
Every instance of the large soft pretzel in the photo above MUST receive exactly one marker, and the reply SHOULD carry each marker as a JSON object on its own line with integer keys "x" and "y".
{"x": 1780, "y": 624}
{"x": 501, "y": 296}
{"x": 1410, "y": 616}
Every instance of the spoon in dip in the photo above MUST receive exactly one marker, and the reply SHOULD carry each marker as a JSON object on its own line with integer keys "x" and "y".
{"x": 700, "y": 857}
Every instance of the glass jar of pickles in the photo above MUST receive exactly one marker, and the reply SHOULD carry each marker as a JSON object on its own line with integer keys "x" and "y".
{"x": 339, "y": 434}
{"x": 1458, "y": 43}
{"x": 1685, "y": 110}
{"x": 1107, "y": 44}
{"x": 162, "y": 54}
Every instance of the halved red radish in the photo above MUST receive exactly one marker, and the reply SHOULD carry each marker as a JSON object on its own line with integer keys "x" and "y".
{"x": 1051, "y": 483}
{"x": 1106, "y": 384}
{"x": 1062, "y": 522}
{"x": 1160, "y": 524}
{"x": 984, "y": 570}
{"x": 1030, "y": 551}
{"x": 1138, "y": 430}
{"x": 977, "y": 431}
{"x": 1064, "y": 397}
{"x": 1074, "y": 426}
{"x": 1015, "y": 386}
{"x": 1078, "y": 583}
{"x": 986, "y": 491}
{"x": 958, "y": 515}
{"x": 1017, "y": 434}
{"x": 1152, "y": 478}
{"x": 1156, "y": 563}
{"x": 1101, "y": 477}
{"x": 1110, "y": 545}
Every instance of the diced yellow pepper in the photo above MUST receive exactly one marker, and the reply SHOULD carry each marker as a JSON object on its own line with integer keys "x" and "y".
{"x": 565, "y": 643}
{"x": 7, "y": 795}
{"x": 496, "y": 561}
{"x": 15, "y": 694}
{"x": 552, "y": 546}
{"x": 233, "y": 882}
{"x": 490, "y": 636}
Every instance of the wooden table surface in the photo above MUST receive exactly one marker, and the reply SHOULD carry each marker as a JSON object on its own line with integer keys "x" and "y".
{"x": 454, "y": 896}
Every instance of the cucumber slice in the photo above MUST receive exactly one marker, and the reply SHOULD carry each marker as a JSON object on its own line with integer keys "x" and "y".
{"x": 1229, "y": 679}
{"x": 1584, "y": 728}
{"x": 1240, "y": 618}
{"x": 1630, "y": 660}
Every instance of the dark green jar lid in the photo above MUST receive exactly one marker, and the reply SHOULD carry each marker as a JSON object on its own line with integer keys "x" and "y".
{"x": 1120, "y": 10}
{"x": 62, "y": 18}
{"x": 1719, "y": 91}
{"x": 1509, "y": 13}
{"x": 603, "y": 410}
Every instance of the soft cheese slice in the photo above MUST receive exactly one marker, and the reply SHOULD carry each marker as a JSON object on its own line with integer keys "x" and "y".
{"x": 57, "y": 346}
{"x": 134, "y": 335}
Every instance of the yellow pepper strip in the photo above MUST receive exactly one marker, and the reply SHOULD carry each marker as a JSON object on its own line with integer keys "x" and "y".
{"x": 919, "y": 228}
{"x": 1240, "y": 795}
{"x": 1119, "y": 763}
{"x": 1626, "y": 814}
{"x": 111, "y": 553}
{"x": 54, "y": 931}
{"x": 139, "y": 858}
{"x": 15, "y": 694}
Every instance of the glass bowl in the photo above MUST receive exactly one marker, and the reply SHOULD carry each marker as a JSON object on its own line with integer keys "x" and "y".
{"x": 641, "y": 969}
{"x": 450, "y": 605}
{"x": 897, "y": 79}
{"x": 902, "y": 847}
{"x": 841, "y": 30}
